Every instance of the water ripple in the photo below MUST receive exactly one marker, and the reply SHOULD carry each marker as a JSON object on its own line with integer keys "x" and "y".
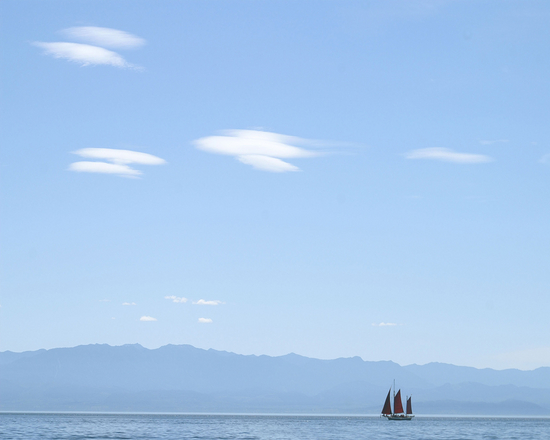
{"x": 247, "y": 427}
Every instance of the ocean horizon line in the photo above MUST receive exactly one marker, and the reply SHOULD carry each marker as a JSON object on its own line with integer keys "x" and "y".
{"x": 236, "y": 414}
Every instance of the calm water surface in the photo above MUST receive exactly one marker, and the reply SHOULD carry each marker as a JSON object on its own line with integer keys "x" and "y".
{"x": 174, "y": 426}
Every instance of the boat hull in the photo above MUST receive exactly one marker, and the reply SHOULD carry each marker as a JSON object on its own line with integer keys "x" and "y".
{"x": 398, "y": 417}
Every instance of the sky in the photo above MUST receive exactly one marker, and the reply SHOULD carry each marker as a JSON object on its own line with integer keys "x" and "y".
{"x": 333, "y": 179}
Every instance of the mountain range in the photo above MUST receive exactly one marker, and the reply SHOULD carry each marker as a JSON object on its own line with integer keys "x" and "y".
{"x": 182, "y": 378}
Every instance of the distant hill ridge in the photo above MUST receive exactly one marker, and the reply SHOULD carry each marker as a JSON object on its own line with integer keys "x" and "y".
{"x": 184, "y": 378}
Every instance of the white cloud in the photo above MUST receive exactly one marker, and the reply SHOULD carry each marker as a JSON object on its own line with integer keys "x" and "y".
{"x": 104, "y": 167}
{"x": 203, "y": 302}
{"x": 105, "y": 37}
{"x": 129, "y": 304}
{"x": 119, "y": 161}
{"x": 205, "y": 320}
{"x": 83, "y": 54}
{"x": 497, "y": 141}
{"x": 245, "y": 142}
{"x": 147, "y": 318}
{"x": 260, "y": 149}
{"x": 121, "y": 157}
{"x": 266, "y": 163}
{"x": 176, "y": 299}
{"x": 447, "y": 155}
{"x": 384, "y": 324}
{"x": 104, "y": 300}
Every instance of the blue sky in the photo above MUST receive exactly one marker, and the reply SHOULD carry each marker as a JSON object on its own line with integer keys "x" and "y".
{"x": 309, "y": 170}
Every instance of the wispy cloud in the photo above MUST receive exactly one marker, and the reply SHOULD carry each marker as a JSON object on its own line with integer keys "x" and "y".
{"x": 104, "y": 300}
{"x": 118, "y": 161}
{"x": 202, "y": 302}
{"x": 205, "y": 320}
{"x": 176, "y": 299}
{"x": 447, "y": 155}
{"x": 94, "y": 53}
{"x": 545, "y": 159}
{"x": 129, "y": 304}
{"x": 147, "y": 318}
{"x": 83, "y": 54}
{"x": 384, "y": 324}
{"x": 260, "y": 149}
{"x": 496, "y": 141}
{"x": 120, "y": 156}
{"x": 266, "y": 163}
{"x": 105, "y": 37}
{"x": 104, "y": 168}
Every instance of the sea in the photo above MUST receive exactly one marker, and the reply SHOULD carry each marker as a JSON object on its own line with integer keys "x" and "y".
{"x": 81, "y": 426}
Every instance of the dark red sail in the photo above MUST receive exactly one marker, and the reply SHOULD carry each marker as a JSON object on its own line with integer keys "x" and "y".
{"x": 409, "y": 406}
{"x": 387, "y": 405}
{"x": 397, "y": 404}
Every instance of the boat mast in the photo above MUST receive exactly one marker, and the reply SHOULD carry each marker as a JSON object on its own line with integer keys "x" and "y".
{"x": 393, "y": 412}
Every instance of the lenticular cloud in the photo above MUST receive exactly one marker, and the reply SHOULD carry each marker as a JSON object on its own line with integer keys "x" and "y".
{"x": 266, "y": 163}
{"x": 91, "y": 50}
{"x": 104, "y": 168}
{"x": 106, "y": 37}
{"x": 118, "y": 161}
{"x": 120, "y": 156}
{"x": 83, "y": 54}
{"x": 447, "y": 155}
{"x": 260, "y": 149}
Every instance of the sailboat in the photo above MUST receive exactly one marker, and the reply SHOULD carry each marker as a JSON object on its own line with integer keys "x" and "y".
{"x": 397, "y": 413}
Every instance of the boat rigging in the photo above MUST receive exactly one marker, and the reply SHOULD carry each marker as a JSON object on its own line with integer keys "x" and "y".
{"x": 397, "y": 413}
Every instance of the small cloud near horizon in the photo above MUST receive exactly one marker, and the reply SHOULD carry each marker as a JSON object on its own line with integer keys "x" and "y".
{"x": 129, "y": 304}
{"x": 176, "y": 299}
{"x": 447, "y": 155}
{"x": 202, "y": 302}
{"x": 205, "y": 320}
{"x": 384, "y": 324}
{"x": 147, "y": 319}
